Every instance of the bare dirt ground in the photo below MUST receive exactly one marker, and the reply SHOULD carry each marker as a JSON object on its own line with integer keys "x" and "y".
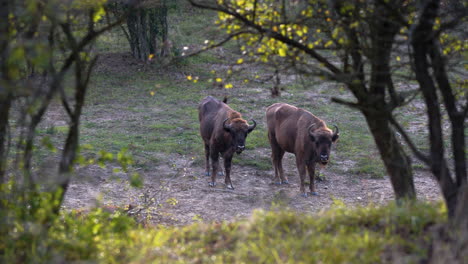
{"x": 181, "y": 194}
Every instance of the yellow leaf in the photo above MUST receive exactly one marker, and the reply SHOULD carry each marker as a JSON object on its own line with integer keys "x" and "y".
{"x": 240, "y": 61}
{"x": 282, "y": 52}
{"x": 152, "y": 93}
{"x": 219, "y": 79}
{"x": 189, "y": 77}
{"x": 99, "y": 13}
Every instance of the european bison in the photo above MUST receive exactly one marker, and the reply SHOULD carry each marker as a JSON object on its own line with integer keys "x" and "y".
{"x": 295, "y": 130}
{"x": 224, "y": 132}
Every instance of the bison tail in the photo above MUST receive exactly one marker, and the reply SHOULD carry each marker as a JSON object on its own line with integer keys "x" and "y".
{"x": 225, "y": 99}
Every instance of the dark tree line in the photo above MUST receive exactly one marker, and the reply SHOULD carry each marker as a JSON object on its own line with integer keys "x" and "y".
{"x": 146, "y": 28}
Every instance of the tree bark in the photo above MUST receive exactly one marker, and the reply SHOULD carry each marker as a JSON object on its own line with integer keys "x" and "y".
{"x": 397, "y": 163}
{"x": 5, "y": 95}
{"x": 376, "y": 109}
{"x": 5, "y": 104}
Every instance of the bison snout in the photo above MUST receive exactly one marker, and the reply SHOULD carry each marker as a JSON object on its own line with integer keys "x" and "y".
{"x": 239, "y": 149}
{"x": 324, "y": 159}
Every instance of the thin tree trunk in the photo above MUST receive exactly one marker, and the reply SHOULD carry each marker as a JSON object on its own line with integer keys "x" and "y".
{"x": 5, "y": 96}
{"x": 5, "y": 104}
{"x": 82, "y": 76}
{"x": 422, "y": 42}
{"x": 164, "y": 29}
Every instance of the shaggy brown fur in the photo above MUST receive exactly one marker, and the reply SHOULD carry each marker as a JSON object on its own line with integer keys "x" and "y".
{"x": 295, "y": 130}
{"x": 223, "y": 132}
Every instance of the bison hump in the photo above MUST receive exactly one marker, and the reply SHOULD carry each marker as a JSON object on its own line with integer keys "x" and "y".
{"x": 234, "y": 115}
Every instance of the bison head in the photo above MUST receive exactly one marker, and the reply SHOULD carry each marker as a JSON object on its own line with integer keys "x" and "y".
{"x": 239, "y": 129}
{"x": 323, "y": 138}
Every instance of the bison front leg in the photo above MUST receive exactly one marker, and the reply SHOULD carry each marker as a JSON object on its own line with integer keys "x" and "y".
{"x": 302, "y": 174}
{"x": 277, "y": 160}
{"x": 311, "y": 169}
{"x": 227, "y": 168}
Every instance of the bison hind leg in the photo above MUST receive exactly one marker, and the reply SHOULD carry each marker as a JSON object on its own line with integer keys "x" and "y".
{"x": 209, "y": 173}
{"x": 207, "y": 160}
{"x": 277, "y": 154}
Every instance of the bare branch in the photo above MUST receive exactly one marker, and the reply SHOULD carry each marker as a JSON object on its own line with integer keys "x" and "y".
{"x": 347, "y": 103}
{"x": 421, "y": 156}
{"x": 219, "y": 44}
{"x": 65, "y": 104}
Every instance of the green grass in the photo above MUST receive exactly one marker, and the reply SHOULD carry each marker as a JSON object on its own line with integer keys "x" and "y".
{"x": 256, "y": 161}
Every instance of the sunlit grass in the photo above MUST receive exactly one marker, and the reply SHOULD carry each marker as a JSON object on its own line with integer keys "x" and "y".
{"x": 339, "y": 235}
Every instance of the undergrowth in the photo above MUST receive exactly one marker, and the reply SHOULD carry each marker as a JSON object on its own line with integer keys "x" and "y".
{"x": 339, "y": 235}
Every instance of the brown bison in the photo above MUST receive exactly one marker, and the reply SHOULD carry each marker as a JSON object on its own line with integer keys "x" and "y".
{"x": 224, "y": 132}
{"x": 295, "y": 130}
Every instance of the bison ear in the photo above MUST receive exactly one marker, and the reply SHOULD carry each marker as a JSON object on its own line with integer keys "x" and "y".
{"x": 335, "y": 137}
{"x": 336, "y": 134}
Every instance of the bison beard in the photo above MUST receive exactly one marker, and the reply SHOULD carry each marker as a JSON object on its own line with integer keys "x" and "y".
{"x": 297, "y": 131}
{"x": 223, "y": 132}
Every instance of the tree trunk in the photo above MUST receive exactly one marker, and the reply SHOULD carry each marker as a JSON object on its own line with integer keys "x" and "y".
{"x": 376, "y": 108}
{"x": 5, "y": 104}
{"x": 5, "y": 97}
{"x": 397, "y": 163}
{"x": 423, "y": 43}
{"x": 82, "y": 77}
{"x": 147, "y": 31}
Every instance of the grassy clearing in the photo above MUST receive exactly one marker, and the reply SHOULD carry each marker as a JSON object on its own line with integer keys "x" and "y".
{"x": 339, "y": 235}
{"x": 152, "y": 109}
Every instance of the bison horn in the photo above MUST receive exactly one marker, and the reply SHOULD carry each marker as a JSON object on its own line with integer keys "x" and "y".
{"x": 310, "y": 128}
{"x": 226, "y": 127}
{"x": 337, "y": 131}
{"x": 251, "y": 127}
